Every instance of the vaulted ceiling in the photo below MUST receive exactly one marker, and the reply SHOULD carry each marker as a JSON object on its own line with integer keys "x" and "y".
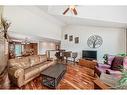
{"x": 107, "y": 16}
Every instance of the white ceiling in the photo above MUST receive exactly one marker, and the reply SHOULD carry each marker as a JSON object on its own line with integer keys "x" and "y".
{"x": 69, "y": 19}
{"x": 88, "y": 22}
{"x": 32, "y": 38}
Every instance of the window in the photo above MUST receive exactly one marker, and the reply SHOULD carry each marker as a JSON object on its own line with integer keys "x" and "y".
{"x": 18, "y": 50}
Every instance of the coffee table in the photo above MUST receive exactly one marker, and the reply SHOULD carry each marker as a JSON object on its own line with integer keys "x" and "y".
{"x": 52, "y": 75}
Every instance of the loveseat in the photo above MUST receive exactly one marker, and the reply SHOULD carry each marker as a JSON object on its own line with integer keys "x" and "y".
{"x": 22, "y": 70}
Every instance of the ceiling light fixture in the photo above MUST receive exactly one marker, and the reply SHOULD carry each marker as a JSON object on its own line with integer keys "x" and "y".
{"x": 72, "y": 8}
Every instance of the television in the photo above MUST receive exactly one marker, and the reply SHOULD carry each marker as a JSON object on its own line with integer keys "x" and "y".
{"x": 90, "y": 55}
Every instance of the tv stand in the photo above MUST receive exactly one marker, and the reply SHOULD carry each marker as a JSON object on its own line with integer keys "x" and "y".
{"x": 88, "y": 63}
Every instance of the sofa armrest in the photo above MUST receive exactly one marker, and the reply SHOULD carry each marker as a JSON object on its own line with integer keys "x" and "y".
{"x": 97, "y": 72}
{"x": 16, "y": 76}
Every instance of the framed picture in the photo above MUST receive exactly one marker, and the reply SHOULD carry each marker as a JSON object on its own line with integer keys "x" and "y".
{"x": 76, "y": 40}
{"x": 65, "y": 36}
{"x": 71, "y": 38}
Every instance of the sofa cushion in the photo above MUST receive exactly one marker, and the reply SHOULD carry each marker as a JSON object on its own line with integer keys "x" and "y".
{"x": 24, "y": 62}
{"x": 103, "y": 70}
{"x": 34, "y": 60}
{"x": 43, "y": 66}
{"x": 15, "y": 65}
{"x": 36, "y": 69}
{"x": 104, "y": 66}
{"x": 43, "y": 58}
{"x": 30, "y": 72}
{"x": 117, "y": 63}
{"x": 19, "y": 62}
{"x": 110, "y": 59}
{"x": 13, "y": 62}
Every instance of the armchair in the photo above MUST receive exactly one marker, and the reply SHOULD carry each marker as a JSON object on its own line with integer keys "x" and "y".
{"x": 111, "y": 67}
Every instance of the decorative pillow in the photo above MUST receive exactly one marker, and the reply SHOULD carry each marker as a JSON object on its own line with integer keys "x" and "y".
{"x": 117, "y": 63}
{"x": 110, "y": 59}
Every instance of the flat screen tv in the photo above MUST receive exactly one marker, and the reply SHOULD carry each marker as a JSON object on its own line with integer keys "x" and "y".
{"x": 88, "y": 54}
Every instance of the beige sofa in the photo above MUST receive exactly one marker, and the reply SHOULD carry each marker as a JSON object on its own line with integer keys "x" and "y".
{"x": 23, "y": 70}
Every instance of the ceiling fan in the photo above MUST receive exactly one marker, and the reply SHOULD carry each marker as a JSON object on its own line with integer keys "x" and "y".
{"x": 72, "y": 8}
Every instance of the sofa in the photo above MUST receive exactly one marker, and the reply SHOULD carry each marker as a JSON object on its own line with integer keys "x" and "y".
{"x": 22, "y": 70}
{"x": 113, "y": 61}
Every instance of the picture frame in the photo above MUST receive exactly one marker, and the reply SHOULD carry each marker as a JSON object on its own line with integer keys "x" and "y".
{"x": 76, "y": 40}
{"x": 71, "y": 38}
{"x": 66, "y": 36}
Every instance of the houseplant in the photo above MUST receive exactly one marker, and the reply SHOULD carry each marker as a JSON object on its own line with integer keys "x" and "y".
{"x": 105, "y": 57}
{"x": 4, "y": 25}
{"x": 122, "y": 54}
{"x": 123, "y": 80}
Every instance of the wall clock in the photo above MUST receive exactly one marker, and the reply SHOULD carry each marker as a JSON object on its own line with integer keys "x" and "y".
{"x": 94, "y": 41}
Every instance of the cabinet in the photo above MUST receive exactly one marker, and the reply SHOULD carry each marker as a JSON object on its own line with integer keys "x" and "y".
{"x": 88, "y": 63}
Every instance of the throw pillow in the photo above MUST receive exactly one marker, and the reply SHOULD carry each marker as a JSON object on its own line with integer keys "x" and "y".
{"x": 110, "y": 59}
{"x": 117, "y": 63}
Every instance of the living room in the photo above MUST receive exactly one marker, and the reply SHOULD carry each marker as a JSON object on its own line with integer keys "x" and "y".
{"x": 38, "y": 32}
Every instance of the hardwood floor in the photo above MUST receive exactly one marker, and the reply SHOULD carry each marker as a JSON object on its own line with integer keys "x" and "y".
{"x": 76, "y": 77}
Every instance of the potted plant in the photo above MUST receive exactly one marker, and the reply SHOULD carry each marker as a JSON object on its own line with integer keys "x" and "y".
{"x": 105, "y": 57}
{"x": 123, "y": 80}
{"x": 122, "y": 54}
{"x": 4, "y": 27}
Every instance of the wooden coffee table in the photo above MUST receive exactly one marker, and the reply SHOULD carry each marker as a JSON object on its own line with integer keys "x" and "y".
{"x": 52, "y": 75}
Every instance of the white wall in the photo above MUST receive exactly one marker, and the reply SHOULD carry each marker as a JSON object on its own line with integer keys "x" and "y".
{"x": 32, "y": 20}
{"x": 113, "y": 40}
{"x": 43, "y": 46}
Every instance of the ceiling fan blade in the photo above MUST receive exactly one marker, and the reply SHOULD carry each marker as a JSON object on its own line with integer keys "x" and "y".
{"x": 65, "y": 11}
{"x": 75, "y": 12}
